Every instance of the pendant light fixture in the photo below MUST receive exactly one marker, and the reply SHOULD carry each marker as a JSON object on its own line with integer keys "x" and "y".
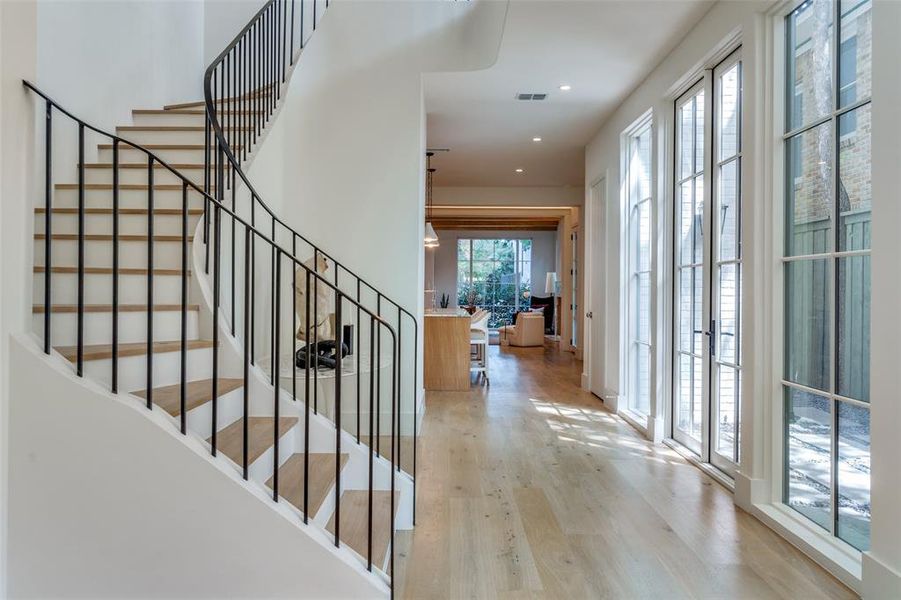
{"x": 431, "y": 238}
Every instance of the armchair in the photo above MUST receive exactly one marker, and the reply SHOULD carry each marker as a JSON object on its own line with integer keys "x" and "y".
{"x": 528, "y": 330}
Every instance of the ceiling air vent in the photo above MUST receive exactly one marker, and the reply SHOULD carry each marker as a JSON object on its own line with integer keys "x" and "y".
{"x": 522, "y": 96}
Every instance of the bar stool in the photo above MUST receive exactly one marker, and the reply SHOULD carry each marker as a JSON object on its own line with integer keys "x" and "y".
{"x": 478, "y": 339}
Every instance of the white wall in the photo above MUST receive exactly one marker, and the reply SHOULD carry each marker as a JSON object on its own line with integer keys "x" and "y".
{"x": 222, "y": 20}
{"x": 17, "y": 62}
{"x": 353, "y": 142}
{"x": 102, "y": 58}
{"x": 544, "y": 252}
{"x": 108, "y": 500}
{"x": 508, "y": 196}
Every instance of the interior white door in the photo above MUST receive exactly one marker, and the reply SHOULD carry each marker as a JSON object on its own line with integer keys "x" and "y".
{"x": 598, "y": 277}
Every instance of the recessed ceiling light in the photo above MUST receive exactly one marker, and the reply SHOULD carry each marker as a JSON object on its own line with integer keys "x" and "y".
{"x": 536, "y": 139}
{"x": 519, "y": 170}
{"x": 565, "y": 87}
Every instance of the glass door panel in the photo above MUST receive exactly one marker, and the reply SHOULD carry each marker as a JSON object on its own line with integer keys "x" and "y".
{"x": 726, "y": 255}
{"x": 689, "y": 274}
{"x": 707, "y": 274}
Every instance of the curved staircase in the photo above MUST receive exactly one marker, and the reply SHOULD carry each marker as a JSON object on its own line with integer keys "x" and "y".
{"x": 164, "y": 276}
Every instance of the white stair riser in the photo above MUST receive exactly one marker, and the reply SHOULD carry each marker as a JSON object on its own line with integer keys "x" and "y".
{"x": 229, "y": 408}
{"x": 166, "y": 369}
{"x": 170, "y": 118}
{"x": 288, "y": 444}
{"x": 166, "y": 255}
{"x": 129, "y": 224}
{"x": 127, "y": 176}
{"x": 98, "y": 288}
{"x": 98, "y": 327}
{"x": 128, "y": 198}
{"x": 162, "y": 137}
{"x": 177, "y": 155}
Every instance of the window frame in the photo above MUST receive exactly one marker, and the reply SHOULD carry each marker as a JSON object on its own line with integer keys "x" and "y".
{"x": 518, "y": 263}
{"x": 630, "y": 207}
{"x": 781, "y": 134}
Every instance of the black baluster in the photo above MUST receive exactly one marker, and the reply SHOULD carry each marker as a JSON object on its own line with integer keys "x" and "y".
{"x": 48, "y": 224}
{"x": 150, "y": 282}
{"x": 183, "y": 395}
{"x": 359, "y": 353}
{"x": 378, "y": 382}
{"x": 293, "y": 317}
{"x": 400, "y": 380}
{"x": 415, "y": 405}
{"x": 115, "y": 276}
{"x": 80, "y": 325}
{"x": 394, "y": 408}
{"x": 253, "y": 276}
{"x": 272, "y": 332}
{"x": 247, "y": 287}
{"x": 276, "y": 319}
{"x": 372, "y": 353}
{"x": 306, "y": 402}
{"x": 216, "y": 277}
{"x": 338, "y": 377}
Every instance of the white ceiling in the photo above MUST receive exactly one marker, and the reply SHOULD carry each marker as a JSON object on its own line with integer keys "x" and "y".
{"x": 602, "y": 48}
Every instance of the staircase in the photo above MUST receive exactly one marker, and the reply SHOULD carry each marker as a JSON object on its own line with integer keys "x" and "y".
{"x": 163, "y": 275}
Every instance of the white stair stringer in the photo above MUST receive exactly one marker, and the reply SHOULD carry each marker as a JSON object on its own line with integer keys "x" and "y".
{"x": 156, "y": 492}
{"x": 354, "y": 475}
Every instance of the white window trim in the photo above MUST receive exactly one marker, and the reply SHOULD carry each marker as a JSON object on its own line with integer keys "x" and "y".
{"x": 637, "y": 420}
{"x": 838, "y": 557}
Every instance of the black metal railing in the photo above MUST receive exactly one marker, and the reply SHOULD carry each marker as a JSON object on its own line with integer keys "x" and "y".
{"x": 242, "y": 90}
{"x": 214, "y": 208}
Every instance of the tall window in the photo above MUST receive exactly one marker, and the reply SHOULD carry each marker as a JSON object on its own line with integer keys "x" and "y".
{"x": 827, "y": 267}
{"x": 637, "y": 177}
{"x": 495, "y": 275}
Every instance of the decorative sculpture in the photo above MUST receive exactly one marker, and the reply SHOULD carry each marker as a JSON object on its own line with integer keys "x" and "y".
{"x": 322, "y": 307}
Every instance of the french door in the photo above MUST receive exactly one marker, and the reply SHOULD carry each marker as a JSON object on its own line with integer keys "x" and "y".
{"x": 707, "y": 267}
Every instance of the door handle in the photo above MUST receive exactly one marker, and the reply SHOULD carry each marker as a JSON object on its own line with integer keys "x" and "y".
{"x": 589, "y": 314}
{"x": 711, "y": 338}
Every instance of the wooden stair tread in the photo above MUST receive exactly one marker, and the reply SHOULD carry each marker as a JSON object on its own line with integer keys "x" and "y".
{"x": 166, "y": 187}
{"x": 100, "y": 308}
{"x": 230, "y": 441}
{"x": 197, "y": 128}
{"x": 202, "y": 103}
{"x": 142, "y": 166}
{"x": 103, "y": 237}
{"x": 127, "y": 146}
{"x": 122, "y": 211}
{"x": 355, "y": 520}
{"x": 105, "y": 351}
{"x": 197, "y": 393}
{"x": 189, "y": 111}
{"x": 109, "y": 271}
{"x": 322, "y": 479}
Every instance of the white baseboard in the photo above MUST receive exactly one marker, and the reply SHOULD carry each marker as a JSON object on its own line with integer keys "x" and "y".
{"x": 880, "y": 581}
{"x": 749, "y": 492}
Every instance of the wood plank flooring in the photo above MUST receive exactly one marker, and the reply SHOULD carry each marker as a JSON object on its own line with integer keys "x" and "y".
{"x": 532, "y": 489}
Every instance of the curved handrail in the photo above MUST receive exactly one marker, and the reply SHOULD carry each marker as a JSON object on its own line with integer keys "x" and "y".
{"x": 247, "y": 77}
{"x": 377, "y": 322}
{"x": 235, "y": 164}
{"x": 208, "y": 198}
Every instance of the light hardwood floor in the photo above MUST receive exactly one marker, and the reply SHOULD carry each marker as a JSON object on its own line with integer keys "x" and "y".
{"x": 532, "y": 489}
